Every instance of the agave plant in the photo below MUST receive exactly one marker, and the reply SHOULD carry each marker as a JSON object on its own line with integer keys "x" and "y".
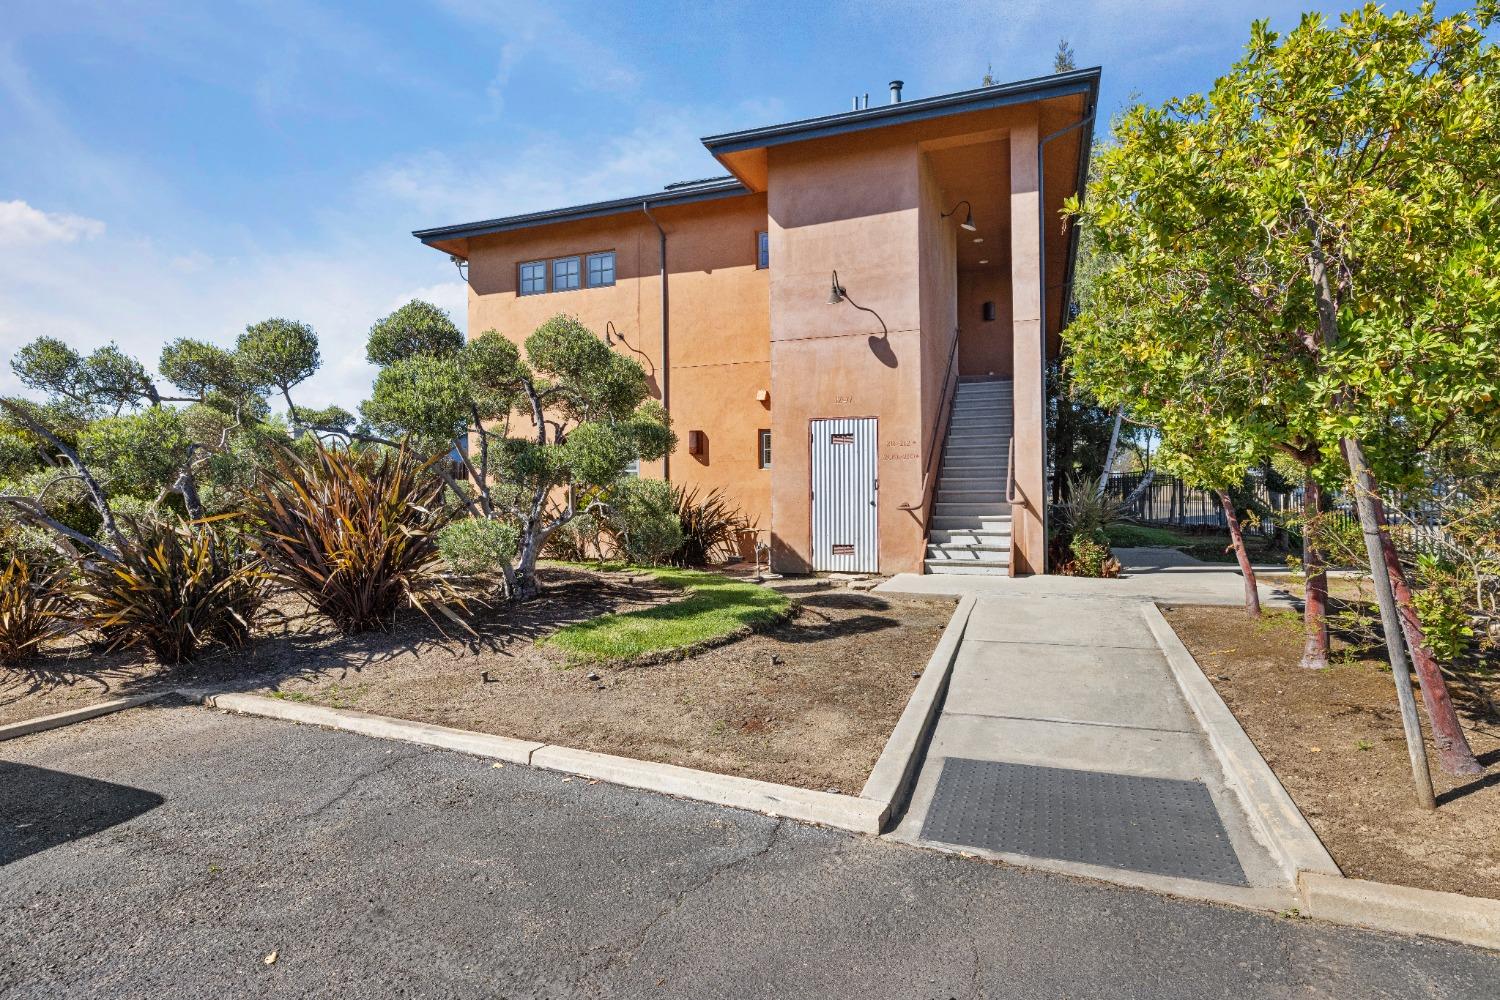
{"x": 35, "y": 606}
{"x": 176, "y": 589}
{"x": 711, "y": 527}
{"x": 356, "y": 535}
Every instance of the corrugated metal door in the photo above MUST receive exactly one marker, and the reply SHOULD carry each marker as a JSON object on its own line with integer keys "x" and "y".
{"x": 845, "y": 487}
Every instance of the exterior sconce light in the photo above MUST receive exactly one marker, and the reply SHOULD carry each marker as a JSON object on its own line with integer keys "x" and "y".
{"x": 838, "y": 293}
{"x": 461, "y": 264}
{"x": 761, "y": 395}
{"x": 695, "y": 442}
{"x": 968, "y": 222}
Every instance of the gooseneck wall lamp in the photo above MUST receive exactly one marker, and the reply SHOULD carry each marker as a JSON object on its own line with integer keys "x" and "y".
{"x": 968, "y": 222}
{"x": 838, "y": 293}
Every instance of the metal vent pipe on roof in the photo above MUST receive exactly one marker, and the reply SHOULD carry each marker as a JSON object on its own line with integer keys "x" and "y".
{"x": 896, "y": 86}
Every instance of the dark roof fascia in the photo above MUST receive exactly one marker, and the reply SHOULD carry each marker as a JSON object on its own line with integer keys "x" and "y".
{"x": 725, "y": 188}
{"x": 1082, "y": 81}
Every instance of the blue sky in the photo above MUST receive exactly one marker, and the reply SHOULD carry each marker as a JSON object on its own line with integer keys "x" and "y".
{"x": 186, "y": 168}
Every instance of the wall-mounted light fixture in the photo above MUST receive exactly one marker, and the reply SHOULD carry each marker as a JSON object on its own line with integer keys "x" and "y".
{"x": 968, "y": 222}
{"x": 461, "y": 264}
{"x": 838, "y": 293}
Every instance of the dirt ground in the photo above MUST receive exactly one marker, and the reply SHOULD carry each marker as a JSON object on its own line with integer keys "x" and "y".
{"x": 1334, "y": 739}
{"x": 809, "y": 703}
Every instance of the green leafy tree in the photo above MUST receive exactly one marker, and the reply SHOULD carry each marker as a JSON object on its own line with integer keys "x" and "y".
{"x": 109, "y": 430}
{"x": 1304, "y": 260}
{"x": 534, "y": 432}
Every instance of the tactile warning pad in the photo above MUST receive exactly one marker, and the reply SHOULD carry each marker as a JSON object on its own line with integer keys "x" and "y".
{"x": 1156, "y": 825}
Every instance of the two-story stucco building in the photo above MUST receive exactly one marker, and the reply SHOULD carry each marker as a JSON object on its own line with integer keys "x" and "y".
{"x": 849, "y": 330}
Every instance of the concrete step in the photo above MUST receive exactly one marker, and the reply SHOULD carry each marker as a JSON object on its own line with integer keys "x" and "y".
{"x": 996, "y": 534}
{"x": 977, "y": 567}
{"x": 974, "y": 467}
{"x": 979, "y": 438}
{"x": 946, "y": 495}
{"x": 984, "y": 524}
{"x": 976, "y": 507}
{"x": 997, "y": 418}
{"x": 968, "y": 553}
{"x": 955, "y": 481}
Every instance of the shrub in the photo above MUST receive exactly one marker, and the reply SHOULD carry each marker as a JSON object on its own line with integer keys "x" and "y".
{"x": 1085, "y": 513}
{"x": 1091, "y": 558}
{"x": 643, "y": 519}
{"x": 711, "y": 527}
{"x": 178, "y": 588}
{"x": 35, "y": 605}
{"x": 579, "y": 540}
{"x": 476, "y": 546}
{"x": 356, "y": 535}
{"x": 1443, "y": 607}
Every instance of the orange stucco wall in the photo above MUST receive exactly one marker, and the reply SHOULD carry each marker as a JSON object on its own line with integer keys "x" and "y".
{"x": 719, "y": 341}
{"x": 850, "y": 206}
{"x": 984, "y": 346}
{"x": 870, "y": 206}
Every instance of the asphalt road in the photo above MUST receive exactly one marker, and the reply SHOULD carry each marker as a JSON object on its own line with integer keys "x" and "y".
{"x": 167, "y": 852}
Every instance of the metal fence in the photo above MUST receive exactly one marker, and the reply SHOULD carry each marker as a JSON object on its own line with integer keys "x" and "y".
{"x": 1168, "y": 501}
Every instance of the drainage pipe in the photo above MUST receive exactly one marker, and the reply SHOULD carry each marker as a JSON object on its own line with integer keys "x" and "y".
{"x": 666, "y": 365}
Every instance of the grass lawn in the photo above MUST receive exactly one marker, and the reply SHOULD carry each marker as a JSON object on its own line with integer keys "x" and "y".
{"x": 1210, "y": 546}
{"x": 715, "y": 607}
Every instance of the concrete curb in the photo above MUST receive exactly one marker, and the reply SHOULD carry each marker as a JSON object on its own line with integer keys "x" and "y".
{"x": 378, "y": 726}
{"x": 844, "y": 812}
{"x": 56, "y": 721}
{"x": 896, "y": 769}
{"x": 1274, "y": 816}
{"x": 1400, "y": 908}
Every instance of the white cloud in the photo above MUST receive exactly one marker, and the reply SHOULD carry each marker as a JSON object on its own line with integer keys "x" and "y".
{"x": 20, "y": 223}
{"x": 139, "y": 295}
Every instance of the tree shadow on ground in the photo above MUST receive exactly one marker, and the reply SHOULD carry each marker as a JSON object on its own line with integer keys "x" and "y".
{"x": 41, "y": 808}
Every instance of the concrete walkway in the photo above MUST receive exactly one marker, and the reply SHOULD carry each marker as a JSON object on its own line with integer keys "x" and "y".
{"x": 1064, "y": 673}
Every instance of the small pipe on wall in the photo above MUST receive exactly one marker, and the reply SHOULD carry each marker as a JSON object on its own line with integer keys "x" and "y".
{"x": 666, "y": 368}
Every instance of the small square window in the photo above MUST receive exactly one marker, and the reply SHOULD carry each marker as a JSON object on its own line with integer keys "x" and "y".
{"x": 565, "y": 274}
{"x": 534, "y": 277}
{"x": 634, "y": 468}
{"x": 762, "y": 250}
{"x": 601, "y": 269}
{"x": 764, "y": 442}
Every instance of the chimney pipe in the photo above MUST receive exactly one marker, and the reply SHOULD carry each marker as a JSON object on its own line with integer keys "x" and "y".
{"x": 855, "y": 106}
{"x": 867, "y": 100}
{"x": 896, "y": 91}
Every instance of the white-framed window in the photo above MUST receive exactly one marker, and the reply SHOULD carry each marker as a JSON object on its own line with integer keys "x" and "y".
{"x": 565, "y": 274}
{"x": 634, "y": 468}
{"x": 762, "y": 250}
{"x": 534, "y": 277}
{"x": 763, "y": 446}
{"x": 601, "y": 268}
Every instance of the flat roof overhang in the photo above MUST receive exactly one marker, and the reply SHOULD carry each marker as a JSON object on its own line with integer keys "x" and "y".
{"x": 744, "y": 153}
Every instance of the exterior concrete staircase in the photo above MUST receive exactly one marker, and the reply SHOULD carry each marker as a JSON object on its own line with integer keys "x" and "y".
{"x": 970, "y": 530}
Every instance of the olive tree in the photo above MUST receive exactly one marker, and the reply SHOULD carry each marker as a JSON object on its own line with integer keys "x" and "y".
{"x": 542, "y": 434}
{"x": 111, "y": 429}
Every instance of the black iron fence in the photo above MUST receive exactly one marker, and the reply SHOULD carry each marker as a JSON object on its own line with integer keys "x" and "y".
{"x": 1169, "y": 502}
